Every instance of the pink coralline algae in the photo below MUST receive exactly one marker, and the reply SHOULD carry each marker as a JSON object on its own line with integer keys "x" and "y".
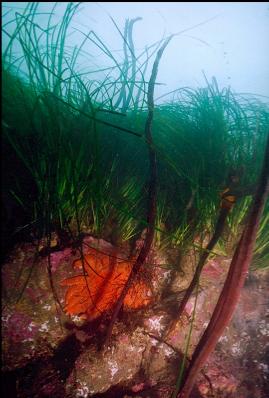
{"x": 189, "y": 307}
{"x": 57, "y": 257}
{"x": 20, "y": 327}
{"x": 33, "y": 294}
{"x": 138, "y": 387}
{"x": 212, "y": 270}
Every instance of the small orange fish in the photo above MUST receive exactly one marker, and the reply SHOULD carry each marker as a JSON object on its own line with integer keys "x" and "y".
{"x": 98, "y": 290}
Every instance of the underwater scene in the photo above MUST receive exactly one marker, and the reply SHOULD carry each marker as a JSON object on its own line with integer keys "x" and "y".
{"x": 134, "y": 201}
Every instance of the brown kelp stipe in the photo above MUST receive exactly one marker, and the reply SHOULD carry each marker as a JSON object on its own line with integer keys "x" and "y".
{"x": 195, "y": 280}
{"x": 224, "y": 211}
{"x": 152, "y": 189}
{"x": 228, "y": 199}
{"x": 234, "y": 282}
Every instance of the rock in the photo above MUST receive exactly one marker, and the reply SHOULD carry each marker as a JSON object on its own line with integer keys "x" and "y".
{"x": 30, "y": 324}
{"x": 50, "y": 354}
{"x": 96, "y": 371}
{"x": 33, "y": 325}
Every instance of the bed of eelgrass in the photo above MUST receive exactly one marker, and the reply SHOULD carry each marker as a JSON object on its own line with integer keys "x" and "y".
{"x": 79, "y": 132}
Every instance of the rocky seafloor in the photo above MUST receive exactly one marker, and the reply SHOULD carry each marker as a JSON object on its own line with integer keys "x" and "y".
{"x": 46, "y": 353}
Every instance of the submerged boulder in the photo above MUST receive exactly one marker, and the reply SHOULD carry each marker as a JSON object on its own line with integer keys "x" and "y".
{"x": 48, "y": 353}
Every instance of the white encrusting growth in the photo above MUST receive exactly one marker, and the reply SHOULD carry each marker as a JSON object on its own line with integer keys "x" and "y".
{"x": 113, "y": 367}
{"x": 155, "y": 323}
{"x": 82, "y": 391}
{"x": 44, "y": 327}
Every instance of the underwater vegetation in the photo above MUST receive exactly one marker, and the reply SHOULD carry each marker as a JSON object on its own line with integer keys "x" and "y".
{"x": 235, "y": 279}
{"x": 88, "y": 151}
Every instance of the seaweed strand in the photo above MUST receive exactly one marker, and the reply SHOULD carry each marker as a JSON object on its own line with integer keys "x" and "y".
{"x": 152, "y": 193}
{"x": 220, "y": 224}
{"x": 234, "y": 282}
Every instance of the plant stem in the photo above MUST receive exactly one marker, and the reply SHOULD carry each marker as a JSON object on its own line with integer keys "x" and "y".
{"x": 152, "y": 191}
{"x": 218, "y": 231}
{"x": 234, "y": 282}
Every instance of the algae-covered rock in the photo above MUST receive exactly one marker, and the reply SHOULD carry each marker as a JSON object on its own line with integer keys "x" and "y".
{"x": 96, "y": 371}
{"x": 32, "y": 326}
{"x": 51, "y": 354}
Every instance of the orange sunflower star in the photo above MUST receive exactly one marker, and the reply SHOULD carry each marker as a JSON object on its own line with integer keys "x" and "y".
{"x": 98, "y": 290}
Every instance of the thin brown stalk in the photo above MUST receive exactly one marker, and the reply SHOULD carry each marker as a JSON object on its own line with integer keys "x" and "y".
{"x": 234, "y": 282}
{"x": 220, "y": 224}
{"x": 218, "y": 231}
{"x": 152, "y": 191}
